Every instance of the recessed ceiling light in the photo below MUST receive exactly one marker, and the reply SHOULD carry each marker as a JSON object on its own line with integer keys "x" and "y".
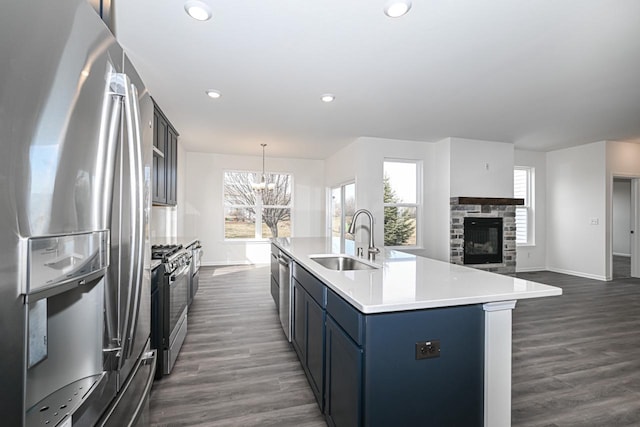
{"x": 328, "y": 97}
{"x": 395, "y": 8}
{"x": 198, "y": 10}
{"x": 213, "y": 94}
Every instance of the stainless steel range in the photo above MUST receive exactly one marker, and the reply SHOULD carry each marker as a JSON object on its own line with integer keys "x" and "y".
{"x": 196, "y": 257}
{"x": 169, "y": 301}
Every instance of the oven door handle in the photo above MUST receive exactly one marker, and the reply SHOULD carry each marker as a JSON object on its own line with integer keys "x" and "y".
{"x": 174, "y": 276}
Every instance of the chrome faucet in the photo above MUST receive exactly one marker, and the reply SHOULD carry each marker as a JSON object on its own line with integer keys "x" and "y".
{"x": 352, "y": 229}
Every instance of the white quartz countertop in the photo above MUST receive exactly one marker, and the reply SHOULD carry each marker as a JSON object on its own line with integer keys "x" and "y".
{"x": 409, "y": 282}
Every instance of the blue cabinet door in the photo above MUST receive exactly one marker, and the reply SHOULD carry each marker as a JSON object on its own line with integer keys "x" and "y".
{"x": 343, "y": 385}
{"x": 299, "y": 335}
{"x": 308, "y": 339}
{"x": 315, "y": 348}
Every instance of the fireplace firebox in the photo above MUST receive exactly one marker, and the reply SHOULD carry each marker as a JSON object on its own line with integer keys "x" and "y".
{"x": 482, "y": 240}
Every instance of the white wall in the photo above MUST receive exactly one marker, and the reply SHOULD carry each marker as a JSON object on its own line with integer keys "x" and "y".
{"x": 533, "y": 257}
{"x": 363, "y": 161}
{"x": 451, "y": 167}
{"x": 462, "y": 168}
{"x": 576, "y": 195}
{"x": 438, "y": 202}
{"x": 203, "y": 211}
{"x": 621, "y": 217}
{"x": 481, "y": 168}
{"x": 623, "y": 159}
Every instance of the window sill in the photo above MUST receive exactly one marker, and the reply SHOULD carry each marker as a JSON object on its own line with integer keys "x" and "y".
{"x": 525, "y": 245}
{"x": 247, "y": 240}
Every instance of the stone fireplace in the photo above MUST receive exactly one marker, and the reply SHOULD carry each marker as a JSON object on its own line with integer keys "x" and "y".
{"x": 483, "y": 233}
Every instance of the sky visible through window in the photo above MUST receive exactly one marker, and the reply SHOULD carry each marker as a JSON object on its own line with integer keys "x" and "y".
{"x": 402, "y": 177}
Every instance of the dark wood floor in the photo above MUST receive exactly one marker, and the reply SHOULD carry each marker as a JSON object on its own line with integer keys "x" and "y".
{"x": 236, "y": 367}
{"x": 576, "y": 357}
{"x": 621, "y": 267}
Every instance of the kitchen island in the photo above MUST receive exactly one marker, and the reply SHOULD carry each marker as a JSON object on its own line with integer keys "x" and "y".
{"x": 410, "y": 341}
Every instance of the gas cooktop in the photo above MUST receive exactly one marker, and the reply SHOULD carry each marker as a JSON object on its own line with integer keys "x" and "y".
{"x": 164, "y": 251}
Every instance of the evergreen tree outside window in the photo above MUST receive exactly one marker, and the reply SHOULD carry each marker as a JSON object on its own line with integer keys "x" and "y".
{"x": 401, "y": 202}
{"x": 253, "y": 214}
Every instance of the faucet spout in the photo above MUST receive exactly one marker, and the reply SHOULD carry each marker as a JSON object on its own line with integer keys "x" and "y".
{"x": 372, "y": 250}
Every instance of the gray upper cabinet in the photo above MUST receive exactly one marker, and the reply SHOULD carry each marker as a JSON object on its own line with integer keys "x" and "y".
{"x": 165, "y": 160}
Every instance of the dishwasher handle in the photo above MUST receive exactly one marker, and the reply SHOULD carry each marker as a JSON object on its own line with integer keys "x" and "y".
{"x": 284, "y": 260}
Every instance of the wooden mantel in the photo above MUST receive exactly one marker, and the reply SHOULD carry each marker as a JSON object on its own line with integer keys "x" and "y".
{"x": 486, "y": 201}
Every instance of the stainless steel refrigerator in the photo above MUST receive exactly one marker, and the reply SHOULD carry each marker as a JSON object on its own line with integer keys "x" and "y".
{"x": 75, "y": 171}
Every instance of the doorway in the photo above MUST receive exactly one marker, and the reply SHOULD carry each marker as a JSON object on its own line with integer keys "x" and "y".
{"x": 624, "y": 223}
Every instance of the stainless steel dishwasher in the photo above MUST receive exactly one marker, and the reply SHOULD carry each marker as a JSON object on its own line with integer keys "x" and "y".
{"x": 284, "y": 276}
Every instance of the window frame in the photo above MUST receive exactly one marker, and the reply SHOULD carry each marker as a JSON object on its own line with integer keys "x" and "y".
{"x": 343, "y": 225}
{"x": 529, "y": 203}
{"x": 258, "y": 207}
{"x": 418, "y": 203}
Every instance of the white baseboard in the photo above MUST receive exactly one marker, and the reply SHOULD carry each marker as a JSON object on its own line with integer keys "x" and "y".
{"x": 529, "y": 269}
{"x": 229, "y": 263}
{"x": 579, "y": 274}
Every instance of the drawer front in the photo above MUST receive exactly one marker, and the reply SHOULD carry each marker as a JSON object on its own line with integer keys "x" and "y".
{"x": 350, "y": 319}
{"x": 313, "y": 286}
{"x": 275, "y": 292}
{"x": 275, "y": 253}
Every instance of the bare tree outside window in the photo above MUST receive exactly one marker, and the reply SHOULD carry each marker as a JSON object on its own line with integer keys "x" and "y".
{"x": 255, "y": 214}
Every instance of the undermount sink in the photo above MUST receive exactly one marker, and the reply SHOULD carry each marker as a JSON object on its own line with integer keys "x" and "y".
{"x": 342, "y": 262}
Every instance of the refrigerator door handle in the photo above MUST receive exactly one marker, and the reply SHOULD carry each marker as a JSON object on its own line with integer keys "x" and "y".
{"x": 114, "y": 417}
{"x": 112, "y": 352}
{"x": 134, "y": 139}
{"x": 149, "y": 357}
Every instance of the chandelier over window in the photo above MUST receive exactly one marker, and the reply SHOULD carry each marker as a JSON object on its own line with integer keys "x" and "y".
{"x": 263, "y": 185}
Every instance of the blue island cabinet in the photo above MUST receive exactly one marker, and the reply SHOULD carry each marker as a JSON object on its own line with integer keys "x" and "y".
{"x": 309, "y": 300}
{"x": 373, "y": 375}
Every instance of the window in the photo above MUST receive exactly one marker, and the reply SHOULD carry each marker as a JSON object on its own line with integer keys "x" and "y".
{"x": 522, "y": 189}
{"x": 256, "y": 214}
{"x": 401, "y": 202}
{"x": 342, "y": 207}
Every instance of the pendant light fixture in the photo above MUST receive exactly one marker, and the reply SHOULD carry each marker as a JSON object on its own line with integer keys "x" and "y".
{"x": 263, "y": 185}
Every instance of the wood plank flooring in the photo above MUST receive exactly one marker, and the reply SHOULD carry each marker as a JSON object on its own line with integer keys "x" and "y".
{"x": 621, "y": 267}
{"x": 236, "y": 367}
{"x": 576, "y": 357}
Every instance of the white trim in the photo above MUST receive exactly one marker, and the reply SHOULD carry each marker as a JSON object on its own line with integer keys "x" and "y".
{"x": 329, "y": 211}
{"x": 578, "y": 274}
{"x": 497, "y": 363}
{"x": 499, "y": 305}
{"x": 231, "y": 263}
{"x": 529, "y": 269}
{"x": 418, "y": 205}
{"x": 624, "y": 255}
{"x": 529, "y": 204}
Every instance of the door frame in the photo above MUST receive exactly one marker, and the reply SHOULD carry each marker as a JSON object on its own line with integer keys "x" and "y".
{"x": 635, "y": 225}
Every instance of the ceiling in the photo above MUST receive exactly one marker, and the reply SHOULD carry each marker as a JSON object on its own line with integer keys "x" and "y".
{"x": 541, "y": 74}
